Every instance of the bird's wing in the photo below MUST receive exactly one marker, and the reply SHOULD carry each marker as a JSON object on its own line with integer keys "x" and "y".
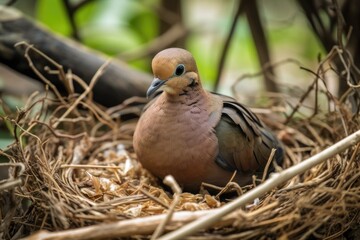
{"x": 244, "y": 142}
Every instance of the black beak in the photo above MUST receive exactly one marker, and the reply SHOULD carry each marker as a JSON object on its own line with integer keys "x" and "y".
{"x": 155, "y": 85}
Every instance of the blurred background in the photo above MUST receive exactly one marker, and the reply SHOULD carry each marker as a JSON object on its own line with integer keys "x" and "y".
{"x": 232, "y": 41}
{"x": 127, "y": 30}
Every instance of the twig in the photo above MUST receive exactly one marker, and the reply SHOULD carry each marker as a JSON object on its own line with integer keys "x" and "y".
{"x": 317, "y": 23}
{"x": 301, "y": 100}
{"x": 12, "y": 181}
{"x": 329, "y": 57}
{"x": 71, "y": 9}
{"x": 227, "y": 186}
{"x": 57, "y": 134}
{"x": 29, "y": 47}
{"x": 274, "y": 181}
{"x": 71, "y": 15}
{"x": 340, "y": 23}
{"x": 85, "y": 93}
{"x": 170, "y": 181}
{"x": 147, "y": 194}
{"x": 89, "y": 166}
{"x": 261, "y": 45}
{"x": 123, "y": 228}
{"x": 263, "y": 70}
{"x": 144, "y": 225}
{"x": 10, "y": 184}
{"x": 269, "y": 161}
{"x": 353, "y": 156}
{"x": 239, "y": 10}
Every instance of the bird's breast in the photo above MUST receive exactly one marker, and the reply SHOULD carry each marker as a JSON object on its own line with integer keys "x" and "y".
{"x": 176, "y": 138}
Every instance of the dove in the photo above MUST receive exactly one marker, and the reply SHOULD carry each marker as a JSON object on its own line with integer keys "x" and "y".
{"x": 195, "y": 135}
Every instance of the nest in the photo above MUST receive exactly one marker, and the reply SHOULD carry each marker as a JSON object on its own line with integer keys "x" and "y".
{"x": 74, "y": 175}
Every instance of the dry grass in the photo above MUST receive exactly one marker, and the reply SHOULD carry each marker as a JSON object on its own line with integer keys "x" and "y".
{"x": 79, "y": 172}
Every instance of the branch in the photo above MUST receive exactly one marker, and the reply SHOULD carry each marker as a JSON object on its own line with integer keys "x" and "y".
{"x": 261, "y": 45}
{"x": 146, "y": 225}
{"x": 118, "y": 82}
{"x": 70, "y": 11}
{"x": 123, "y": 228}
{"x": 174, "y": 8}
{"x": 239, "y": 11}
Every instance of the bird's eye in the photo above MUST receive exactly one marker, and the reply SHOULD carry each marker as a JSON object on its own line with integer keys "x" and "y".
{"x": 180, "y": 69}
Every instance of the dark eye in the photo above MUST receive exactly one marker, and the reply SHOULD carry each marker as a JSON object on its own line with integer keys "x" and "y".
{"x": 180, "y": 69}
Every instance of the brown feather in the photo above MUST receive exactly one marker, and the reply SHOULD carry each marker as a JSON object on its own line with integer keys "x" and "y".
{"x": 197, "y": 136}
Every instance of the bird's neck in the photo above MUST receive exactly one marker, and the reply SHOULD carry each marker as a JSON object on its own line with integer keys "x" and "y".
{"x": 188, "y": 95}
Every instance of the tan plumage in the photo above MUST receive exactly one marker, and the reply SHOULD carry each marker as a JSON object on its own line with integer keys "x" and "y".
{"x": 198, "y": 136}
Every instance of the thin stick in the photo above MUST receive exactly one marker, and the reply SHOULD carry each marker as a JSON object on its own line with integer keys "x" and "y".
{"x": 274, "y": 181}
{"x": 266, "y": 169}
{"x": 89, "y": 166}
{"x": 122, "y": 228}
{"x": 147, "y": 194}
{"x": 225, "y": 49}
{"x": 85, "y": 93}
{"x": 10, "y": 184}
{"x": 170, "y": 181}
{"x": 224, "y": 189}
{"x": 29, "y": 47}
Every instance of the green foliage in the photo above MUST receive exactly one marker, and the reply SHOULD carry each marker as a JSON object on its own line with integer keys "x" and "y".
{"x": 113, "y": 27}
{"x": 109, "y": 26}
{"x": 117, "y": 26}
{"x": 52, "y": 14}
{"x": 145, "y": 22}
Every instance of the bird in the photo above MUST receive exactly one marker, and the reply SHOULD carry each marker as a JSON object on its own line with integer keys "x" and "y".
{"x": 195, "y": 135}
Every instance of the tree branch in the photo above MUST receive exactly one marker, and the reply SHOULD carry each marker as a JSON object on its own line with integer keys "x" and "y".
{"x": 118, "y": 82}
{"x": 262, "y": 48}
{"x": 239, "y": 11}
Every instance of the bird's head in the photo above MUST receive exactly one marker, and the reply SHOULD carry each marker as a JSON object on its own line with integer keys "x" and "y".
{"x": 175, "y": 72}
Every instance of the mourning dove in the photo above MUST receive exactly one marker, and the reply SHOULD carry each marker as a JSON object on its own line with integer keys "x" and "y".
{"x": 198, "y": 136}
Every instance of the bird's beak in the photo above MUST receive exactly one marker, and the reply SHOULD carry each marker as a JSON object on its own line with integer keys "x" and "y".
{"x": 155, "y": 85}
